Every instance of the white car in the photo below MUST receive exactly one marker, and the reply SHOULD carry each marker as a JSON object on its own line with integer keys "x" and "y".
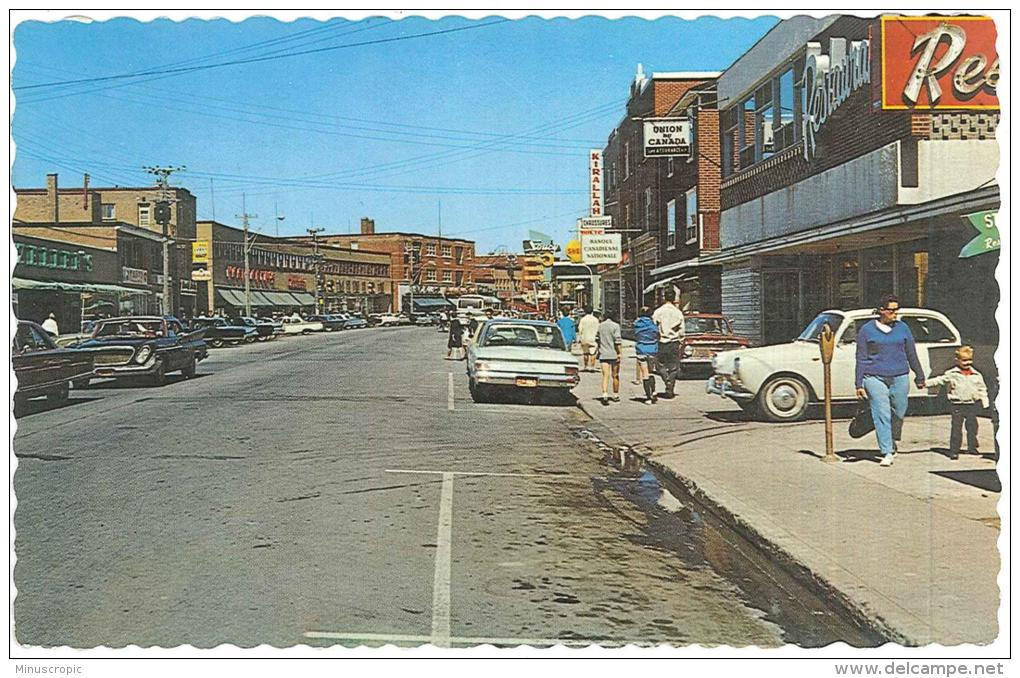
{"x": 391, "y": 320}
{"x": 519, "y": 354}
{"x": 780, "y": 381}
{"x": 301, "y": 326}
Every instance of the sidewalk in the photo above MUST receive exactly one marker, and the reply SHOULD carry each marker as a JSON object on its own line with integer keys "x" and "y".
{"x": 906, "y": 547}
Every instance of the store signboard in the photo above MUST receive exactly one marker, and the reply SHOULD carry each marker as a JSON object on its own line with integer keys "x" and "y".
{"x": 601, "y": 249}
{"x": 134, "y": 276}
{"x": 595, "y": 182}
{"x": 829, "y": 80}
{"x": 987, "y": 240}
{"x": 201, "y": 275}
{"x": 200, "y": 252}
{"x": 594, "y": 225}
{"x": 667, "y": 137}
{"x": 944, "y": 62}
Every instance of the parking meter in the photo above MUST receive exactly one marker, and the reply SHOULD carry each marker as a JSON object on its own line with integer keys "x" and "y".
{"x": 827, "y": 344}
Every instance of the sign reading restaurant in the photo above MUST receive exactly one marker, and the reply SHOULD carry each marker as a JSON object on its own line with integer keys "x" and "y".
{"x": 667, "y": 137}
{"x": 939, "y": 63}
{"x": 829, "y": 80}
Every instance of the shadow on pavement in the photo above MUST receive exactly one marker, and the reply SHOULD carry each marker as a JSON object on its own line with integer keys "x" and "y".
{"x": 39, "y": 405}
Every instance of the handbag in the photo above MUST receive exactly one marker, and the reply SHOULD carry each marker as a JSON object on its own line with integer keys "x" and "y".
{"x": 862, "y": 423}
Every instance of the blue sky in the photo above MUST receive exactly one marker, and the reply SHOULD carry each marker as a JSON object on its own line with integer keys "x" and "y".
{"x": 492, "y": 122}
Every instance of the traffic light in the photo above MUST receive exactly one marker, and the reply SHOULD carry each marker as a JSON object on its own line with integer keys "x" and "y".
{"x": 162, "y": 212}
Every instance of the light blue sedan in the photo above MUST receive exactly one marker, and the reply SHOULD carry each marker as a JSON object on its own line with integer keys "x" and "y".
{"x": 519, "y": 355}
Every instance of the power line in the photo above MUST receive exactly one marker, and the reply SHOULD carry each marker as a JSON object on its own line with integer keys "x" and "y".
{"x": 191, "y": 69}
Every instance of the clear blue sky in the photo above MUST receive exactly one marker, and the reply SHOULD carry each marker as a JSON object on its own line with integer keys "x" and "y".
{"x": 493, "y": 122}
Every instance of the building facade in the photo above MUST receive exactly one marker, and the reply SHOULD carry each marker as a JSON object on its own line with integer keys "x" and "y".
{"x": 844, "y": 180}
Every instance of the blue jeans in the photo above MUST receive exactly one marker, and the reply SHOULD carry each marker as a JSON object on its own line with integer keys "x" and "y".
{"x": 888, "y": 399}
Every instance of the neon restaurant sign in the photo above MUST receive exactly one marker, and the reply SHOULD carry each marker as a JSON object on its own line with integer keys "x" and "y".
{"x": 50, "y": 257}
{"x": 829, "y": 80}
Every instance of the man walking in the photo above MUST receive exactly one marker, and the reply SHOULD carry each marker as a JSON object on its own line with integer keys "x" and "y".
{"x": 670, "y": 321}
{"x": 566, "y": 325}
{"x": 587, "y": 330}
{"x": 610, "y": 343}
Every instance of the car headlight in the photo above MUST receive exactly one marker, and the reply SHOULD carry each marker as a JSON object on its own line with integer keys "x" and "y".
{"x": 688, "y": 350}
{"x": 143, "y": 354}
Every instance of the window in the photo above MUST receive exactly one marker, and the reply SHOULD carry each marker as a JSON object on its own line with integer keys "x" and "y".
{"x": 144, "y": 215}
{"x": 730, "y": 139}
{"x": 648, "y": 209}
{"x": 786, "y": 107}
{"x": 746, "y": 132}
{"x": 109, "y": 211}
{"x": 447, "y": 276}
{"x": 626, "y": 159}
{"x": 669, "y": 166}
{"x": 407, "y": 245}
{"x": 430, "y": 274}
{"x": 671, "y": 225}
{"x": 764, "y": 122}
{"x": 430, "y": 249}
{"x": 691, "y": 215}
{"x": 447, "y": 251}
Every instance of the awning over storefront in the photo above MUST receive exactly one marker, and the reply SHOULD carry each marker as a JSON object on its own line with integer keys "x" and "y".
{"x": 672, "y": 279}
{"x": 231, "y": 297}
{"x": 302, "y": 299}
{"x": 431, "y": 304}
{"x": 26, "y": 284}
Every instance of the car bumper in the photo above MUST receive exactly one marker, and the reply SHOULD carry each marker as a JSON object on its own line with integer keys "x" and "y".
{"x": 725, "y": 386}
{"x": 542, "y": 380}
{"x": 146, "y": 369}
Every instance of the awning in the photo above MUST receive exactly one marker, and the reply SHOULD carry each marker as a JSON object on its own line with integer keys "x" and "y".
{"x": 672, "y": 279}
{"x": 26, "y": 284}
{"x": 278, "y": 299}
{"x": 678, "y": 266}
{"x": 432, "y": 303}
{"x": 302, "y": 298}
{"x": 232, "y": 297}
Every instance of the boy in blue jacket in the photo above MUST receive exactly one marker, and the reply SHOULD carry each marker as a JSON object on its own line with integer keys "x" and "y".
{"x": 646, "y": 347}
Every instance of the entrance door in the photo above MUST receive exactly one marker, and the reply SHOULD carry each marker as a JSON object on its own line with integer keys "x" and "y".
{"x": 780, "y": 306}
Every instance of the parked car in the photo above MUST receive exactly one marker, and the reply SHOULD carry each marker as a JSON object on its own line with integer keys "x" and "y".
{"x": 42, "y": 368}
{"x": 355, "y": 322}
{"x": 780, "y": 381}
{"x": 276, "y": 323}
{"x": 705, "y": 336}
{"x": 292, "y": 325}
{"x": 143, "y": 346}
{"x": 264, "y": 330}
{"x": 220, "y": 331}
{"x": 391, "y": 319}
{"x": 426, "y": 319}
{"x": 65, "y": 340}
{"x": 330, "y": 323}
{"x": 519, "y": 354}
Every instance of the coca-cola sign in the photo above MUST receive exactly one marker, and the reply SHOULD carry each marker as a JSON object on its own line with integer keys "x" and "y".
{"x": 939, "y": 63}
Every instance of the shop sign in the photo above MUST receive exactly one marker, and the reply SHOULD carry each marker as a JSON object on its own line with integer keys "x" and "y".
{"x": 49, "y": 257}
{"x": 988, "y": 234}
{"x": 601, "y": 249}
{"x": 134, "y": 276}
{"x": 295, "y": 283}
{"x": 573, "y": 251}
{"x": 188, "y": 287}
{"x": 254, "y": 274}
{"x": 667, "y": 137}
{"x": 593, "y": 225}
{"x": 939, "y": 63}
{"x": 595, "y": 183}
{"x": 200, "y": 252}
{"x": 829, "y": 80}
{"x": 201, "y": 274}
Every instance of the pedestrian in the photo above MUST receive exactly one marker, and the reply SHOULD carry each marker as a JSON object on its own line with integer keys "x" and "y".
{"x": 50, "y": 325}
{"x": 456, "y": 340}
{"x": 646, "y": 347}
{"x": 567, "y": 328}
{"x": 610, "y": 345}
{"x": 968, "y": 395}
{"x": 670, "y": 322}
{"x": 587, "y": 334}
{"x": 472, "y": 327}
{"x": 885, "y": 357}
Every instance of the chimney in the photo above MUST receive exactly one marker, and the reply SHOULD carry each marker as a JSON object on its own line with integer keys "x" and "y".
{"x": 367, "y": 226}
{"x": 52, "y": 197}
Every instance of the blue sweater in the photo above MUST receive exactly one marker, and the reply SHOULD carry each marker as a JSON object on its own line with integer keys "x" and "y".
{"x": 567, "y": 328}
{"x": 646, "y": 336}
{"x": 886, "y": 354}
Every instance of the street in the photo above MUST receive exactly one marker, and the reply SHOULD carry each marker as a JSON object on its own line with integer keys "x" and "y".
{"x": 344, "y": 489}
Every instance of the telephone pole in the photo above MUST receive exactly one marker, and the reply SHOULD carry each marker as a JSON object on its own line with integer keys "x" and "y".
{"x": 244, "y": 217}
{"x": 314, "y": 232}
{"x": 163, "y": 213}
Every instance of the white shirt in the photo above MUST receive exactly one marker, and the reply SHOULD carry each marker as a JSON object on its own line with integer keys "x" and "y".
{"x": 667, "y": 317}
{"x": 962, "y": 388}
{"x": 587, "y": 329}
{"x": 50, "y": 325}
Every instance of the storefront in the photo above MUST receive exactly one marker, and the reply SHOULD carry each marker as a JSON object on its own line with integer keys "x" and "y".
{"x": 834, "y": 195}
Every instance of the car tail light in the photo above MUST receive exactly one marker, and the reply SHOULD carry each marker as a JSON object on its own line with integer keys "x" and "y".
{"x": 571, "y": 371}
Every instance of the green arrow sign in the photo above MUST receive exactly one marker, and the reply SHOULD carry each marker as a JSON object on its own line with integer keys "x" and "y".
{"x": 988, "y": 238}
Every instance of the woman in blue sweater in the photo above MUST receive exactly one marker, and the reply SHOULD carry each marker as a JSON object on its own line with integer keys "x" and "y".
{"x": 885, "y": 357}
{"x": 646, "y": 347}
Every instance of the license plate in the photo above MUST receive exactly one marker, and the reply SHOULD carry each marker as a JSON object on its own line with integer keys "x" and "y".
{"x": 527, "y": 382}
{"x": 103, "y": 373}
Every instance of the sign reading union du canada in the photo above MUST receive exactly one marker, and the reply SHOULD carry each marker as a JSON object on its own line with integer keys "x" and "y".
{"x": 939, "y": 63}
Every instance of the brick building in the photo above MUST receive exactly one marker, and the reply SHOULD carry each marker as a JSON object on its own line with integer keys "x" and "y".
{"x": 120, "y": 205}
{"x": 638, "y": 189}
{"x": 501, "y": 276}
{"x": 431, "y": 267}
{"x": 841, "y": 184}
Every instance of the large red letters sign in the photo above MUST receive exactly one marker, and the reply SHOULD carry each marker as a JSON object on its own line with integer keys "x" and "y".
{"x": 939, "y": 63}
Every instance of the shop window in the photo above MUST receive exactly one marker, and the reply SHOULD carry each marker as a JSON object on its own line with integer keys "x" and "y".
{"x": 671, "y": 234}
{"x": 691, "y": 215}
{"x": 109, "y": 211}
{"x": 849, "y": 283}
{"x": 780, "y": 306}
{"x": 878, "y": 274}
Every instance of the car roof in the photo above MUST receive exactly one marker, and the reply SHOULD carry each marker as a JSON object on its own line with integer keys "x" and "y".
{"x": 136, "y": 317}
{"x": 521, "y": 321}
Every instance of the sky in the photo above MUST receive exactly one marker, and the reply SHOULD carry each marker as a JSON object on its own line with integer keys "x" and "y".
{"x": 479, "y": 127}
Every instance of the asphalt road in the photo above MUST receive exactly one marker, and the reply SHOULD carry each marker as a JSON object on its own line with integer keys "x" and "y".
{"x": 343, "y": 489}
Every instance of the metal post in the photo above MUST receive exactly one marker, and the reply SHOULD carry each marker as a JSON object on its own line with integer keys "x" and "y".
{"x": 826, "y": 344}
{"x": 244, "y": 217}
{"x": 315, "y": 257}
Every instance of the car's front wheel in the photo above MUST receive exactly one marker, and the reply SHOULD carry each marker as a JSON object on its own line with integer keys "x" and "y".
{"x": 783, "y": 398}
{"x": 215, "y": 343}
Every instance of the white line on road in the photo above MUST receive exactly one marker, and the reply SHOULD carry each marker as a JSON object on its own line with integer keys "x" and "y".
{"x": 441, "y": 582}
{"x": 550, "y": 476}
{"x": 472, "y": 640}
{"x": 449, "y": 396}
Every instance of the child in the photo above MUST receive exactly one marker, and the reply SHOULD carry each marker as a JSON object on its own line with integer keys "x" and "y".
{"x": 965, "y": 388}
{"x": 646, "y": 346}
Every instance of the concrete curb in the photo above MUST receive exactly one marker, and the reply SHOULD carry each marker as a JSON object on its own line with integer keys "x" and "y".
{"x": 798, "y": 571}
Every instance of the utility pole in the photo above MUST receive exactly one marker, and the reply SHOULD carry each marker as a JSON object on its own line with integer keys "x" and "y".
{"x": 314, "y": 232}
{"x": 163, "y": 213}
{"x": 244, "y": 216}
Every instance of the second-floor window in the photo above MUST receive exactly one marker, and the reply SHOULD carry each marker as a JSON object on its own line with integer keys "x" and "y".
{"x": 430, "y": 274}
{"x": 669, "y": 166}
{"x": 691, "y": 215}
{"x": 671, "y": 225}
{"x": 144, "y": 215}
{"x": 447, "y": 276}
{"x": 109, "y": 211}
{"x": 447, "y": 251}
{"x": 430, "y": 249}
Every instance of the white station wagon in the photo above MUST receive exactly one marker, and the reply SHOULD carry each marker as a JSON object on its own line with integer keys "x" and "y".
{"x": 780, "y": 381}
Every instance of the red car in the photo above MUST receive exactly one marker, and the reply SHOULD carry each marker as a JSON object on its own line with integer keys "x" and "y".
{"x": 705, "y": 335}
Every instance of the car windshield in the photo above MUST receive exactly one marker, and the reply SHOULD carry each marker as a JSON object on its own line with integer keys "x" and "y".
{"x": 536, "y": 336}
{"x": 812, "y": 331}
{"x": 130, "y": 328}
{"x": 706, "y": 326}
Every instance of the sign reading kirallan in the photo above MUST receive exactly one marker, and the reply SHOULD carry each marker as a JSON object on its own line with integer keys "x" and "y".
{"x": 603, "y": 248}
{"x": 667, "y": 137}
{"x": 829, "y": 80}
{"x": 939, "y": 62}
{"x": 595, "y": 182}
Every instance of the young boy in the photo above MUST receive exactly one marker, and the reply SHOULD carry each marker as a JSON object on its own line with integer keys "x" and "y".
{"x": 968, "y": 394}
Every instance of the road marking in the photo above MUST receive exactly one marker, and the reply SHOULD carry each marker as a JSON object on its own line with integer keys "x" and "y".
{"x": 551, "y": 476}
{"x": 441, "y": 581}
{"x": 449, "y": 396}
{"x": 480, "y": 640}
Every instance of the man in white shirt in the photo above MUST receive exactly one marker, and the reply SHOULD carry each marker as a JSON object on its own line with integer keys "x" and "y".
{"x": 587, "y": 331}
{"x": 670, "y": 321}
